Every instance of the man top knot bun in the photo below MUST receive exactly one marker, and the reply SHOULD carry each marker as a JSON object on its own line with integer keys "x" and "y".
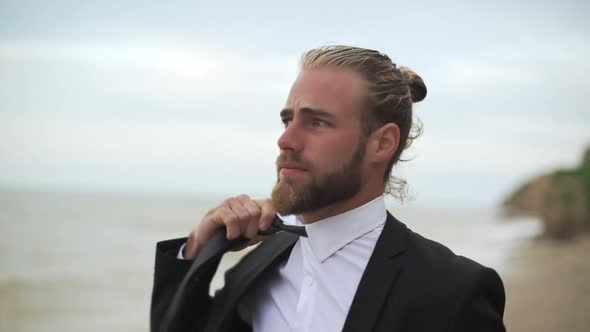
{"x": 415, "y": 83}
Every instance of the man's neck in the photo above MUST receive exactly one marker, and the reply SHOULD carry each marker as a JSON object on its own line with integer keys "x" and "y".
{"x": 340, "y": 207}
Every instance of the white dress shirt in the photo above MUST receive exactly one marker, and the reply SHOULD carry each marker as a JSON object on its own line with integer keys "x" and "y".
{"x": 313, "y": 290}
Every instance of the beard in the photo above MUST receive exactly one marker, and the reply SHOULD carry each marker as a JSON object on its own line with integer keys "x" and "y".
{"x": 290, "y": 196}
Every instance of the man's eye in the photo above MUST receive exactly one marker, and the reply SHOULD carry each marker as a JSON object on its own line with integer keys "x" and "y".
{"x": 286, "y": 122}
{"x": 319, "y": 123}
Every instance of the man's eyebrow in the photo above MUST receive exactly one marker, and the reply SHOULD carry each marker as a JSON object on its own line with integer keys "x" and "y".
{"x": 308, "y": 110}
{"x": 286, "y": 112}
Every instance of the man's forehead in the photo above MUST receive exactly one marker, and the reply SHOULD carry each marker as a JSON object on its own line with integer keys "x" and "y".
{"x": 327, "y": 88}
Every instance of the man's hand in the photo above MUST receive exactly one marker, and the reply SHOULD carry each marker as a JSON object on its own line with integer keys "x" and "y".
{"x": 241, "y": 216}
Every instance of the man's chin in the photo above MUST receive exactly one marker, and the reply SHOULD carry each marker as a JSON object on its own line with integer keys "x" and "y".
{"x": 286, "y": 196}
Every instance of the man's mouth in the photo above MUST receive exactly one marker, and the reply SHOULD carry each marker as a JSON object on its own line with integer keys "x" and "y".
{"x": 290, "y": 169}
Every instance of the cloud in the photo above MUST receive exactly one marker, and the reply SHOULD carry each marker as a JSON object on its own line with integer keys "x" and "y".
{"x": 163, "y": 71}
{"x": 510, "y": 69}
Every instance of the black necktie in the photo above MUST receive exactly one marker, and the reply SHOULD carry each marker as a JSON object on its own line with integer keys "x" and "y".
{"x": 278, "y": 225}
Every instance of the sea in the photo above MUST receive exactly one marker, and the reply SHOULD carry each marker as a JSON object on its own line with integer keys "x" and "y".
{"x": 84, "y": 261}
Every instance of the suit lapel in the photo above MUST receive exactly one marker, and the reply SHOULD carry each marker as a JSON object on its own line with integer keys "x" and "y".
{"x": 241, "y": 277}
{"x": 378, "y": 278}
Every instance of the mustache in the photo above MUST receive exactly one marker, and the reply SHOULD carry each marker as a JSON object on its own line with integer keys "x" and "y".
{"x": 293, "y": 158}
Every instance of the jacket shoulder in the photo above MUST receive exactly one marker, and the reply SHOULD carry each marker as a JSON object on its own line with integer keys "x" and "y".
{"x": 434, "y": 257}
{"x": 444, "y": 285}
{"x": 440, "y": 270}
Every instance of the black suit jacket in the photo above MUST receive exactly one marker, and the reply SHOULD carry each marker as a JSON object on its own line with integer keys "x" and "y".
{"x": 410, "y": 284}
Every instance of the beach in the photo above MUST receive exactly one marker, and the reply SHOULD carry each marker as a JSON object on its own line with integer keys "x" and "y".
{"x": 84, "y": 262}
{"x": 549, "y": 289}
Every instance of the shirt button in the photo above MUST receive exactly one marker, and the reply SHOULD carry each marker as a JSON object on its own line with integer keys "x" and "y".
{"x": 308, "y": 280}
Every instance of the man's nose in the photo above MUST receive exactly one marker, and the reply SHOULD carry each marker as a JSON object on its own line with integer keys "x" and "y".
{"x": 292, "y": 138}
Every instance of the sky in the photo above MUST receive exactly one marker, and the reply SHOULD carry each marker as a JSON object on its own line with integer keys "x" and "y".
{"x": 183, "y": 97}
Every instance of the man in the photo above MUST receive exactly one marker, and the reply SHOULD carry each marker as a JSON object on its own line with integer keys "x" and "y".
{"x": 347, "y": 120}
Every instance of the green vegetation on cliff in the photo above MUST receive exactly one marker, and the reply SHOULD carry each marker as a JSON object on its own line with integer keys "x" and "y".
{"x": 581, "y": 175}
{"x": 561, "y": 199}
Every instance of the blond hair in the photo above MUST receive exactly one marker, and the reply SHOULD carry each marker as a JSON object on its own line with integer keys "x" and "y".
{"x": 391, "y": 93}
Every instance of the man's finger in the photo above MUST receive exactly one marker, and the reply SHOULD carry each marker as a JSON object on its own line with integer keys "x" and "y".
{"x": 267, "y": 214}
{"x": 199, "y": 237}
{"x": 236, "y": 206}
{"x": 250, "y": 205}
{"x": 252, "y": 228}
{"x": 192, "y": 248}
{"x": 231, "y": 221}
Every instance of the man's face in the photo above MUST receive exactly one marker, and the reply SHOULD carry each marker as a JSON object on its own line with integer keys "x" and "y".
{"x": 322, "y": 148}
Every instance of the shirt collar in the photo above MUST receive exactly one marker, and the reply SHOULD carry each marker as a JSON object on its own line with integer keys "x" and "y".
{"x": 329, "y": 235}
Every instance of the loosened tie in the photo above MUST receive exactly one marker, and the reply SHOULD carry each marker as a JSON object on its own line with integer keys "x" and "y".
{"x": 279, "y": 225}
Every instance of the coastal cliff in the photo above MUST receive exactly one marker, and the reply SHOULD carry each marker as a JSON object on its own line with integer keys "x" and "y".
{"x": 561, "y": 199}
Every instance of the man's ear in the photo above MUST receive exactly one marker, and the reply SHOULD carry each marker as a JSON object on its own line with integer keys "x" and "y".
{"x": 384, "y": 142}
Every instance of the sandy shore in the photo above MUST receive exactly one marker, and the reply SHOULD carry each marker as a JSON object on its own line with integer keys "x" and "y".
{"x": 549, "y": 288}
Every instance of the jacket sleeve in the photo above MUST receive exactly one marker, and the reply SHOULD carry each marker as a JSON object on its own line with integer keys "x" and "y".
{"x": 482, "y": 306}
{"x": 168, "y": 274}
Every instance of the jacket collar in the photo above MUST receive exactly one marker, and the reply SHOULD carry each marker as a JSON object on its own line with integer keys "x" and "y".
{"x": 379, "y": 277}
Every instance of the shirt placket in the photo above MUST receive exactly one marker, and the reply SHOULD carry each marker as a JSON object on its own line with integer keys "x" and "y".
{"x": 305, "y": 304}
